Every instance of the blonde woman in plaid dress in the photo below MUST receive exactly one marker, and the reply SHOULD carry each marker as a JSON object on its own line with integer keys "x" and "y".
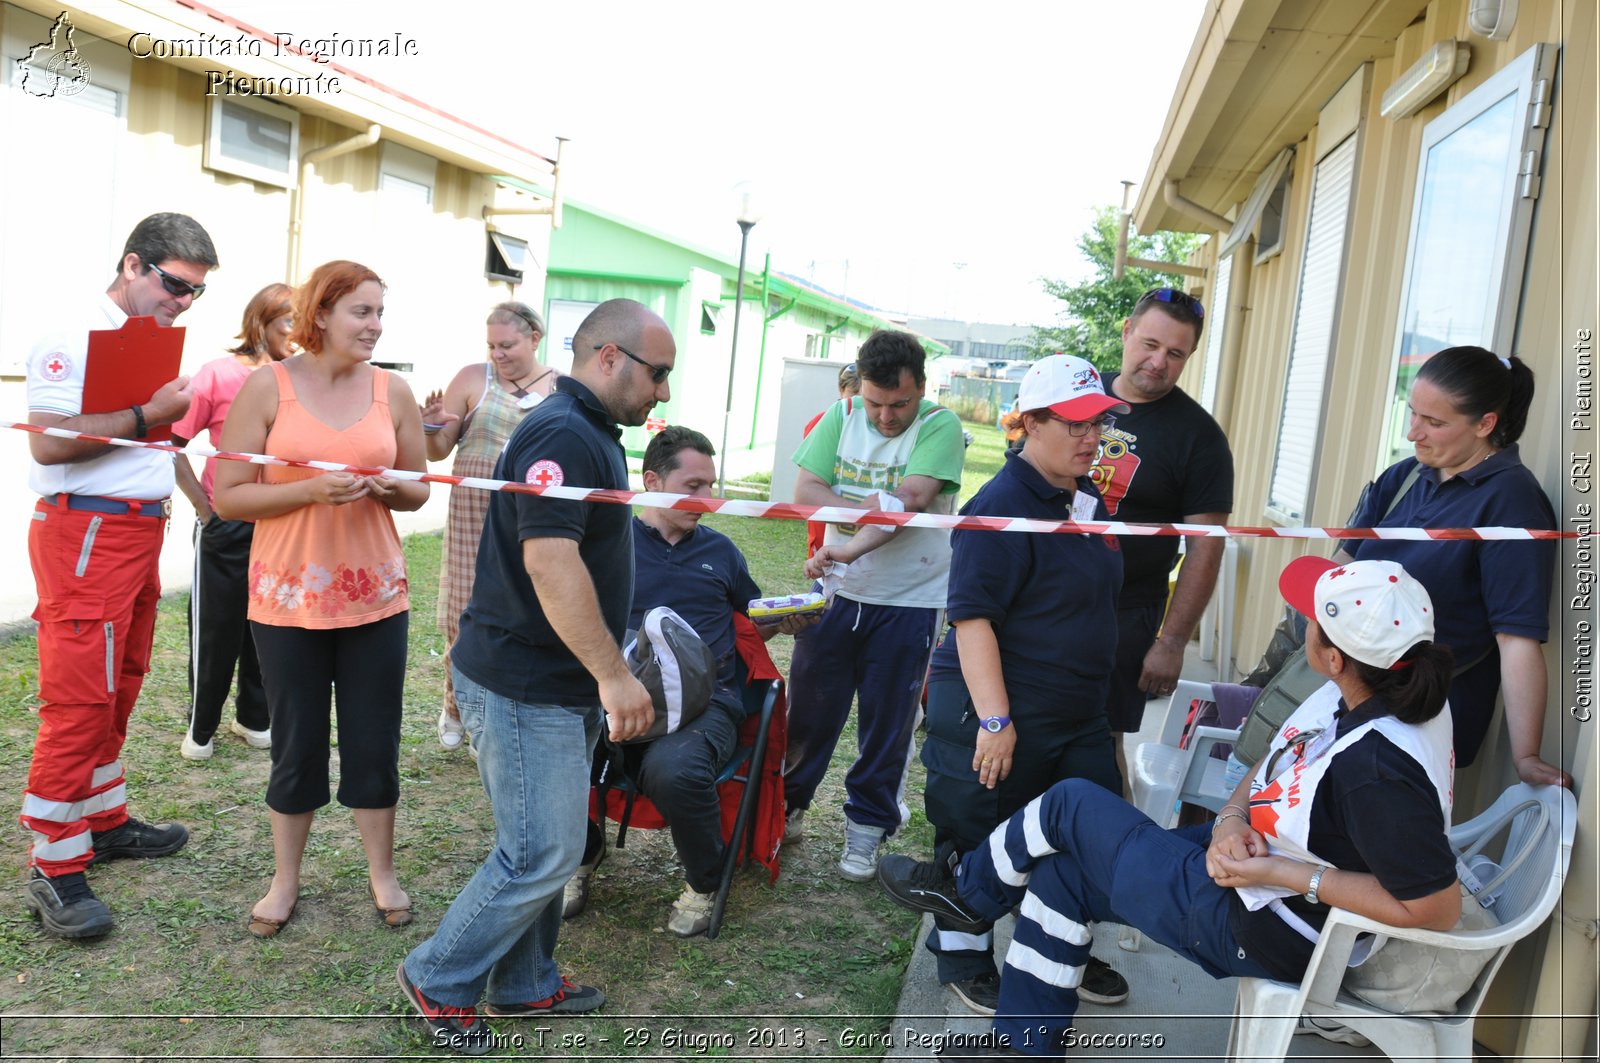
{"x": 475, "y": 416}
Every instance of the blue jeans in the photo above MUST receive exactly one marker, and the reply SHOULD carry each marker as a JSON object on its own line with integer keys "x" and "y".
{"x": 497, "y": 941}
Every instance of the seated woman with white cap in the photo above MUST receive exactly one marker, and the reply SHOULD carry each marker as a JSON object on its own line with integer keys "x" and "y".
{"x": 1349, "y": 808}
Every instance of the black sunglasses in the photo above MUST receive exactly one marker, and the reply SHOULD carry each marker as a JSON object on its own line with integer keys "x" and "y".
{"x": 177, "y": 285}
{"x": 1174, "y": 297}
{"x": 658, "y": 373}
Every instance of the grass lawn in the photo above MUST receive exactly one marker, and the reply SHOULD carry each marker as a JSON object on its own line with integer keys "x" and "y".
{"x": 796, "y": 963}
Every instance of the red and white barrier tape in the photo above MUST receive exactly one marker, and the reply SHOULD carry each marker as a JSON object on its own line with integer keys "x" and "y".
{"x": 833, "y": 514}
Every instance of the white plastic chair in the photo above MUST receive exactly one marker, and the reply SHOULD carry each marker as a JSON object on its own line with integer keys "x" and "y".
{"x": 1163, "y": 776}
{"x": 1266, "y": 1012}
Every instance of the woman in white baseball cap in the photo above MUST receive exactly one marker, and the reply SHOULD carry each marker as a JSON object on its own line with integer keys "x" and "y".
{"x": 1349, "y": 808}
{"x": 1017, "y": 688}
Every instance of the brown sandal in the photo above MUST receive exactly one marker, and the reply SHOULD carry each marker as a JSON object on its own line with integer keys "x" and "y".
{"x": 262, "y": 927}
{"x": 391, "y": 917}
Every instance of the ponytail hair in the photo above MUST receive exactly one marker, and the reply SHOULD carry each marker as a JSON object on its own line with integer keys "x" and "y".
{"x": 1479, "y": 383}
{"x": 1416, "y": 686}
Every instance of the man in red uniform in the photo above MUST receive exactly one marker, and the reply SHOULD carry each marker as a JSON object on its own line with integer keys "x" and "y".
{"x": 95, "y": 545}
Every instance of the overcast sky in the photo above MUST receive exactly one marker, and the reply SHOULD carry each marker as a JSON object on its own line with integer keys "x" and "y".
{"x": 934, "y": 158}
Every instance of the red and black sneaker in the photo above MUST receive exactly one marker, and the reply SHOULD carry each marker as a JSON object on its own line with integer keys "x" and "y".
{"x": 449, "y": 1027}
{"x": 570, "y": 999}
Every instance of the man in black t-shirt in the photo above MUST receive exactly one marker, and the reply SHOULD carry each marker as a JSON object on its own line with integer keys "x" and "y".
{"x": 536, "y": 661}
{"x": 1164, "y": 461}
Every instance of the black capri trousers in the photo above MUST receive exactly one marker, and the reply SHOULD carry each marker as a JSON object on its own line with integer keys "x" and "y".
{"x": 361, "y": 672}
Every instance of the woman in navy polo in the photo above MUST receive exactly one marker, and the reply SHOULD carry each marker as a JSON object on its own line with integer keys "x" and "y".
{"x": 1017, "y": 688}
{"x": 1468, "y": 408}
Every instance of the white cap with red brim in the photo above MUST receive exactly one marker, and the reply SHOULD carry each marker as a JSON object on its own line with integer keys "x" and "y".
{"x": 1372, "y": 610}
{"x": 1068, "y": 387}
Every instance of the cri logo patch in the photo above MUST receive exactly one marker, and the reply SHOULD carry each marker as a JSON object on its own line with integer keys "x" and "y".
{"x": 545, "y": 474}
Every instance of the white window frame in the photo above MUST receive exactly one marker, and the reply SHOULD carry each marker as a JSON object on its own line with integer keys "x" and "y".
{"x": 407, "y": 170}
{"x": 1530, "y": 78}
{"x": 1277, "y": 175}
{"x": 1319, "y": 294}
{"x": 509, "y": 251}
{"x": 215, "y": 158}
{"x": 1216, "y": 323}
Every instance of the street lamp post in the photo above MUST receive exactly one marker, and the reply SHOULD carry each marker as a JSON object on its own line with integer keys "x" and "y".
{"x": 747, "y": 217}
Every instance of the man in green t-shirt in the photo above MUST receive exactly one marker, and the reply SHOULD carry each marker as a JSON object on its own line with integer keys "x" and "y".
{"x": 886, "y": 449}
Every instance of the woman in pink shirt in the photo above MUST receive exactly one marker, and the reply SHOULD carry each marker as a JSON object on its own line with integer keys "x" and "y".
{"x": 219, "y": 636}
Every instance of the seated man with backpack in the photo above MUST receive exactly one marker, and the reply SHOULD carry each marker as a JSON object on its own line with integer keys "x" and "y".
{"x": 700, "y": 575}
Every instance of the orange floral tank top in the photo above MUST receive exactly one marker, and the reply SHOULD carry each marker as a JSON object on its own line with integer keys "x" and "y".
{"x": 327, "y": 566}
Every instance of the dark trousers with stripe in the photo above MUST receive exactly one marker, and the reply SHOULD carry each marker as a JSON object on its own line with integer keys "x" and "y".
{"x": 219, "y": 634}
{"x": 878, "y": 656}
{"x": 1080, "y": 854}
{"x": 1067, "y": 739}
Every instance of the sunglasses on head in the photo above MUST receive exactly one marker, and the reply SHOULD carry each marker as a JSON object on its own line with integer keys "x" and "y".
{"x": 1174, "y": 297}
{"x": 177, "y": 285}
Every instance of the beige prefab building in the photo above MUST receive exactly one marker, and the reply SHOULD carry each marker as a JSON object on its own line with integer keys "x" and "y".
{"x": 288, "y": 159}
{"x": 1383, "y": 178}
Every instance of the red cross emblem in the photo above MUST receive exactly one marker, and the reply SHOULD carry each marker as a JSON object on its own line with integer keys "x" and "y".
{"x": 655, "y": 424}
{"x": 56, "y": 367}
{"x": 544, "y": 474}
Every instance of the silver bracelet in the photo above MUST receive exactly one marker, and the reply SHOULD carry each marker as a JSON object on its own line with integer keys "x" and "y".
{"x": 431, "y": 429}
{"x": 1228, "y": 815}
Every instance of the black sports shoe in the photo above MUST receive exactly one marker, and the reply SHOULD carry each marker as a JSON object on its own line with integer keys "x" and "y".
{"x": 67, "y": 906}
{"x": 134, "y": 840}
{"x": 981, "y": 994}
{"x": 448, "y": 1027}
{"x": 1102, "y": 985}
{"x": 570, "y": 999}
{"x": 927, "y": 886}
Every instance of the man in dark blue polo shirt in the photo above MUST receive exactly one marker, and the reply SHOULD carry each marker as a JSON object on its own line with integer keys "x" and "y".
{"x": 536, "y": 661}
{"x": 700, "y": 574}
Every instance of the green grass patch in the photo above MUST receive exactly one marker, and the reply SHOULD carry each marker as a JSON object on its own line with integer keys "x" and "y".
{"x": 796, "y": 961}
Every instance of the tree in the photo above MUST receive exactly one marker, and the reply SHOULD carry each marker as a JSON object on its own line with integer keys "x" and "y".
{"x": 1089, "y": 325}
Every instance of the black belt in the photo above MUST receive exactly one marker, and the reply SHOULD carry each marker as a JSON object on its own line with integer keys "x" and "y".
{"x": 160, "y": 509}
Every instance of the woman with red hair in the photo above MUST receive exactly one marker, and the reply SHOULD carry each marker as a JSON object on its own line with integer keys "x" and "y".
{"x": 328, "y": 603}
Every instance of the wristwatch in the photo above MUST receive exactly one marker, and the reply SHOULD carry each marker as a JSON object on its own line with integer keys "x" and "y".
{"x": 995, "y": 724}
{"x": 1316, "y": 881}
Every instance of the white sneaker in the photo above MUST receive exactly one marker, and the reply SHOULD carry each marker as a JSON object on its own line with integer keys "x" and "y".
{"x": 1329, "y": 1030}
{"x": 451, "y": 733}
{"x": 794, "y": 826}
{"x": 691, "y": 913}
{"x": 193, "y": 750}
{"x": 859, "y": 863}
{"x": 253, "y": 739}
{"x": 575, "y": 894}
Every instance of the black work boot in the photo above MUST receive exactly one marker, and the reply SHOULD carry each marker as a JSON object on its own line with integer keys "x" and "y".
{"x": 67, "y": 906}
{"x": 134, "y": 840}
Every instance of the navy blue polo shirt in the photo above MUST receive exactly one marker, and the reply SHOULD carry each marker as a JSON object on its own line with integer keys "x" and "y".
{"x": 506, "y": 643}
{"x": 1052, "y": 598}
{"x": 704, "y": 579}
{"x": 1375, "y": 811}
{"x": 1479, "y": 589}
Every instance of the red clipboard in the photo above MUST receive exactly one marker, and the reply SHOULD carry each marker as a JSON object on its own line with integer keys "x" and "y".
{"x": 126, "y": 366}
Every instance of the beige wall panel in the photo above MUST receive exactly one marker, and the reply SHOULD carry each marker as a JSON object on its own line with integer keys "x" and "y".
{"x": 1559, "y": 298}
{"x": 248, "y": 222}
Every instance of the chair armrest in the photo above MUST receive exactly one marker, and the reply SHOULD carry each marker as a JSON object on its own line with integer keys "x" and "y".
{"x": 1467, "y": 940}
{"x": 1203, "y": 739}
{"x": 1200, "y": 762}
